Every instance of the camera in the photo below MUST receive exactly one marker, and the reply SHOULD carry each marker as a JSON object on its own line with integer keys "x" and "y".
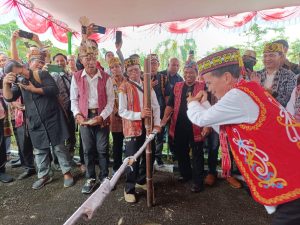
{"x": 9, "y": 67}
{"x": 21, "y": 80}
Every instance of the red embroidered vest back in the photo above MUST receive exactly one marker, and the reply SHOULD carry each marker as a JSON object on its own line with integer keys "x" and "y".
{"x": 267, "y": 152}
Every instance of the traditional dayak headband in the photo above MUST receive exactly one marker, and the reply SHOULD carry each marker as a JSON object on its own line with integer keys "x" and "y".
{"x": 131, "y": 62}
{"x": 273, "y": 47}
{"x": 87, "y": 47}
{"x": 37, "y": 54}
{"x": 227, "y": 57}
{"x": 114, "y": 61}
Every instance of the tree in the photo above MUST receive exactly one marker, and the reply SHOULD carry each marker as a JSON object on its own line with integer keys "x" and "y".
{"x": 165, "y": 50}
{"x": 216, "y": 49}
{"x": 294, "y": 51}
{"x": 6, "y": 31}
{"x": 170, "y": 48}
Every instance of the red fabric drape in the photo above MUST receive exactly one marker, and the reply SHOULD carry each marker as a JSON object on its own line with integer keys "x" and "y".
{"x": 39, "y": 21}
{"x": 280, "y": 14}
{"x": 180, "y": 27}
{"x": 232, "y": 21}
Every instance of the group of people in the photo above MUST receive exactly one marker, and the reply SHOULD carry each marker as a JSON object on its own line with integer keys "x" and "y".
{"x": 219, "y": 100}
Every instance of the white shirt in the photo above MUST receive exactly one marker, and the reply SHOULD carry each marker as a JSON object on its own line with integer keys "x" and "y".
{"x": 290, "y": 107}
{"x": 269, "y": 80}
{"x": 234, "y": 107}
{"x": 93, "y": 94}
{"x": 130, "y": 115}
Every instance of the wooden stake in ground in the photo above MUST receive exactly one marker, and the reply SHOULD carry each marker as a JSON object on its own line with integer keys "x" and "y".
{"x": 148, "y": 125}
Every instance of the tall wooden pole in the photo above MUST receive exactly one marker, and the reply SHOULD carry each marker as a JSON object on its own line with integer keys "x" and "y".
{"x": 148, "y": 125}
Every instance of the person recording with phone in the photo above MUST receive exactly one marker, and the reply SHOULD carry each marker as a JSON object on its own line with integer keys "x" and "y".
{"x": 109, "y": 54}
{"x": 46, "y": 122}
{"x": 18, "y": 34}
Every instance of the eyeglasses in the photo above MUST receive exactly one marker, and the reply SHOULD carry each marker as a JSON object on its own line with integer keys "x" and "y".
{"x": 89, "y": 58}
{"x": 133, "y": 70}
{"x": 271, "y": 55}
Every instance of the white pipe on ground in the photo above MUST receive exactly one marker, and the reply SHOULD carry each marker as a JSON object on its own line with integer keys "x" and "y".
{"x": 88, "y": 208}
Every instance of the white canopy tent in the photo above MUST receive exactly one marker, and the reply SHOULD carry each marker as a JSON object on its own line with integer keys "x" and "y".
{"x": 121, "y": 13}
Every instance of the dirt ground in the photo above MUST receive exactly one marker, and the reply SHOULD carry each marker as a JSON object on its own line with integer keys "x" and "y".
{"x": 175, "y": 204}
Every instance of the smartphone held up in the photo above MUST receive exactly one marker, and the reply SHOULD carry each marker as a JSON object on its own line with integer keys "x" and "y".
{"x": 118, "y": 37}
{"x": 25, "y": 34}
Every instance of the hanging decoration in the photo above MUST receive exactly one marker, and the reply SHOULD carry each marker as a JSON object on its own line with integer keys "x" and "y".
{"x": 39, "y": 21}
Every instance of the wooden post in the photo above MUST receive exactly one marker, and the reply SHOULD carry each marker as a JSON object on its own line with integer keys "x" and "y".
{"x": 148, "y": 125}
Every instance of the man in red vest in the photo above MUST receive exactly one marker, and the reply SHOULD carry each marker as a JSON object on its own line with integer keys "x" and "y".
{"x": 183, "y": 132}
{"x": 264, "y": 138}
{"x": 92, "y": 101}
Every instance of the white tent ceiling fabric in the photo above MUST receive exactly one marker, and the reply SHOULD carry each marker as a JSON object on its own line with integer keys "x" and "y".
{"x": 121, "y": 13}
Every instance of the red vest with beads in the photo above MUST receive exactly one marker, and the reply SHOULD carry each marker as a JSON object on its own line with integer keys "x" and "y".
{"x": 131, "y": 128}
{"x": 198, "y": 86}
{"x": 267, "y": 152}
{"x": 83, "y": 92}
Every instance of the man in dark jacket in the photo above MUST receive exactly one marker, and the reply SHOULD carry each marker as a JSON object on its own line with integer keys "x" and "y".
{"x": 162, "y": 90}
{"x": 47, "y": 125}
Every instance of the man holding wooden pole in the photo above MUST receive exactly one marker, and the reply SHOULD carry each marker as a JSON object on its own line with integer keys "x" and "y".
{"x": 135, "y": 114}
